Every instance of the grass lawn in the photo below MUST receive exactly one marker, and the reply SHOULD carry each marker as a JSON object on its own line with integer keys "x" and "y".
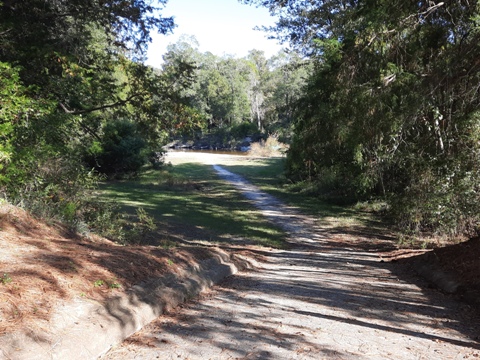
{"x": 191, "y": 199}
{"x": 267, "y": 174}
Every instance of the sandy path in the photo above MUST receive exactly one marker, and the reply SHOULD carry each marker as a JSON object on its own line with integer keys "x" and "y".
{"x": 316, "y": 301}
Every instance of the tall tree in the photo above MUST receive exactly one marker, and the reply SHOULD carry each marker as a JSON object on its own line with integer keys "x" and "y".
{"x": 287, "y": 80}
{"x": 67, "y": 68}
{"x": 259, "y": 88}
{"x": 393, "y": 105}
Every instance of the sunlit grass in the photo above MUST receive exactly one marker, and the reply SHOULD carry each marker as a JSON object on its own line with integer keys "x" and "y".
{"x": 191, "y": 196}
{"x": 268, "y": 175}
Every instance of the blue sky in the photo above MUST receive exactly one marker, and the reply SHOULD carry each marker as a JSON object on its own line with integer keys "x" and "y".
{"x": 220, "y": 26}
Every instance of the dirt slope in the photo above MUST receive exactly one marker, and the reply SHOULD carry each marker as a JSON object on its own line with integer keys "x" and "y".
{"x": 42, "y": 266}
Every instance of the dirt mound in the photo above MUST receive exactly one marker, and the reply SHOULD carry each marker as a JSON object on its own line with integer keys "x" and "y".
{"x": 459, "y": 262}
{"x": 43, "y": 265}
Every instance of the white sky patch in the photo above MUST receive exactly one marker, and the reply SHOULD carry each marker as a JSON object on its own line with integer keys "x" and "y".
{"x": 222, "y": 27}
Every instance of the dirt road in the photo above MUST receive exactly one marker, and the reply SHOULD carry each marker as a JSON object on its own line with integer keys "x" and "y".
{"x": 317, "y": 300}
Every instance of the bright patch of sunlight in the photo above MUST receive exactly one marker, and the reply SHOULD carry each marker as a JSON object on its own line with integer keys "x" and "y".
{"x": 265, "y": 230}
{"x": 132, "y": 202}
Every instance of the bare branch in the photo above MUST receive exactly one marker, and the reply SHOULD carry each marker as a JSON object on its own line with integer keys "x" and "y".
{"x": 5, "y": 32}
{"x": 426, "y": 12}
{"x": 100, "y": 107}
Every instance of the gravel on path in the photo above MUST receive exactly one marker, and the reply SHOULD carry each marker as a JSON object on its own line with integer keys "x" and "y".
{"x": 314, "y": 301}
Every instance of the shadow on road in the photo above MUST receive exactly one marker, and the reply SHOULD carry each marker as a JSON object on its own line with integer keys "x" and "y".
{"x": 317, "y": 302}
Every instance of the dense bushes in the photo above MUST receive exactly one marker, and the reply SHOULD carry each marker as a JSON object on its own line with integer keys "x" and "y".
{"x": 392, "y": 107}
{"x": 120, "y": 150}
{"x": 66, "y": 70}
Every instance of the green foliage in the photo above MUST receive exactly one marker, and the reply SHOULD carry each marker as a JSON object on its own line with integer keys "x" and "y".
{"x": 391, "y": 109}
{"x": 98, "y": 283}
{"x": 10, "y": 97}
{"x": 104, "y": 218}
{"x": 122, "y": 150}
{"x": 225, "y": 92}
{"x": 113, "y": 284}
{"x": 66, "y": 70}
{"x": 18, "y": 114}
{"x": 141, "y": 228}
{"x": 242, "y": 130}
{"x": 5, "y": 279}
{"x": 50, "y": 185}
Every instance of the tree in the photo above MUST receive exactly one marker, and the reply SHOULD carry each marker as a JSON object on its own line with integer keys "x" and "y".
{"x": 122, "y": 149}
{"x": 68, "y": 69}
{"x": 392, "y": 107}
{"x": 227, "y": 92}
{"x": 259, "y": 86}
{"x": 289, "y": 73}
{"x": 220, "y": 90}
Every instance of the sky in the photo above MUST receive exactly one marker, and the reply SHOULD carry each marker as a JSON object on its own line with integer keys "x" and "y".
{"x": 223, "y": 27}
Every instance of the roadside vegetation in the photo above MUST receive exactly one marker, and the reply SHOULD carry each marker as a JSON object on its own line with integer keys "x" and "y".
{"x": 375, "y": 107}
{"x": 190, "y": 199}
{"x": 391, "y": 109}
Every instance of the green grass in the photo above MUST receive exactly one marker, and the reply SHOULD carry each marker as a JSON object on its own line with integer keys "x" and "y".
{"x": 190, "y": 198}
{"x": 268, "y": 175}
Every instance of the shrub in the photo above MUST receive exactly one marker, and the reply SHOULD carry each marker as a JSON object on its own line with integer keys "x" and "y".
{"x": 58, "y": 188}
{"x": 121, "y": 150}
{"x": 445, "y": 204}
{"x": 156, "y": 159}
{"x": 268, "y": 148}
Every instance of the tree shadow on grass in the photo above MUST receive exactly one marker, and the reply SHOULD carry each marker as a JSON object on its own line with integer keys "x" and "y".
{"x": 209, "y": 204}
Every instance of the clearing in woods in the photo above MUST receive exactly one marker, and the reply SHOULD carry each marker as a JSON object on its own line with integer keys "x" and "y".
{"x": 329, "y": 295}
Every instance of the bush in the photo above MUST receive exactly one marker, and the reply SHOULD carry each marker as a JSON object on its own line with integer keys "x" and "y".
{"x": 104, "y": 218}
{"x": 142, "y": 228}
{"x": 156, "y": 159}
{"x": 121, "y": 150}
{"x": 243, "y": 130}
{"x": 268, "y": 148}
{"x": 440, "y": 204}
{"x": 49, "y": 185}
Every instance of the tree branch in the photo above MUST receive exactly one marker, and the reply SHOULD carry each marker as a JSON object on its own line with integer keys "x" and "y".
{"x": 5, "y": 32}
{"x": 90, "y": 131}
{"x": 426, "y": 12}
{"x": 100, "y": 107}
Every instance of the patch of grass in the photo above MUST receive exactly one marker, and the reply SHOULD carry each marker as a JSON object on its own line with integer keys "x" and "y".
{"x": 5, "y": 279}
{"x": 167, "y": 244}
{"x": 98, "y": 283}
{"x": 114, "y": 285}
{"x": 267, "y": 174}
{"x": 191, "y": 196}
